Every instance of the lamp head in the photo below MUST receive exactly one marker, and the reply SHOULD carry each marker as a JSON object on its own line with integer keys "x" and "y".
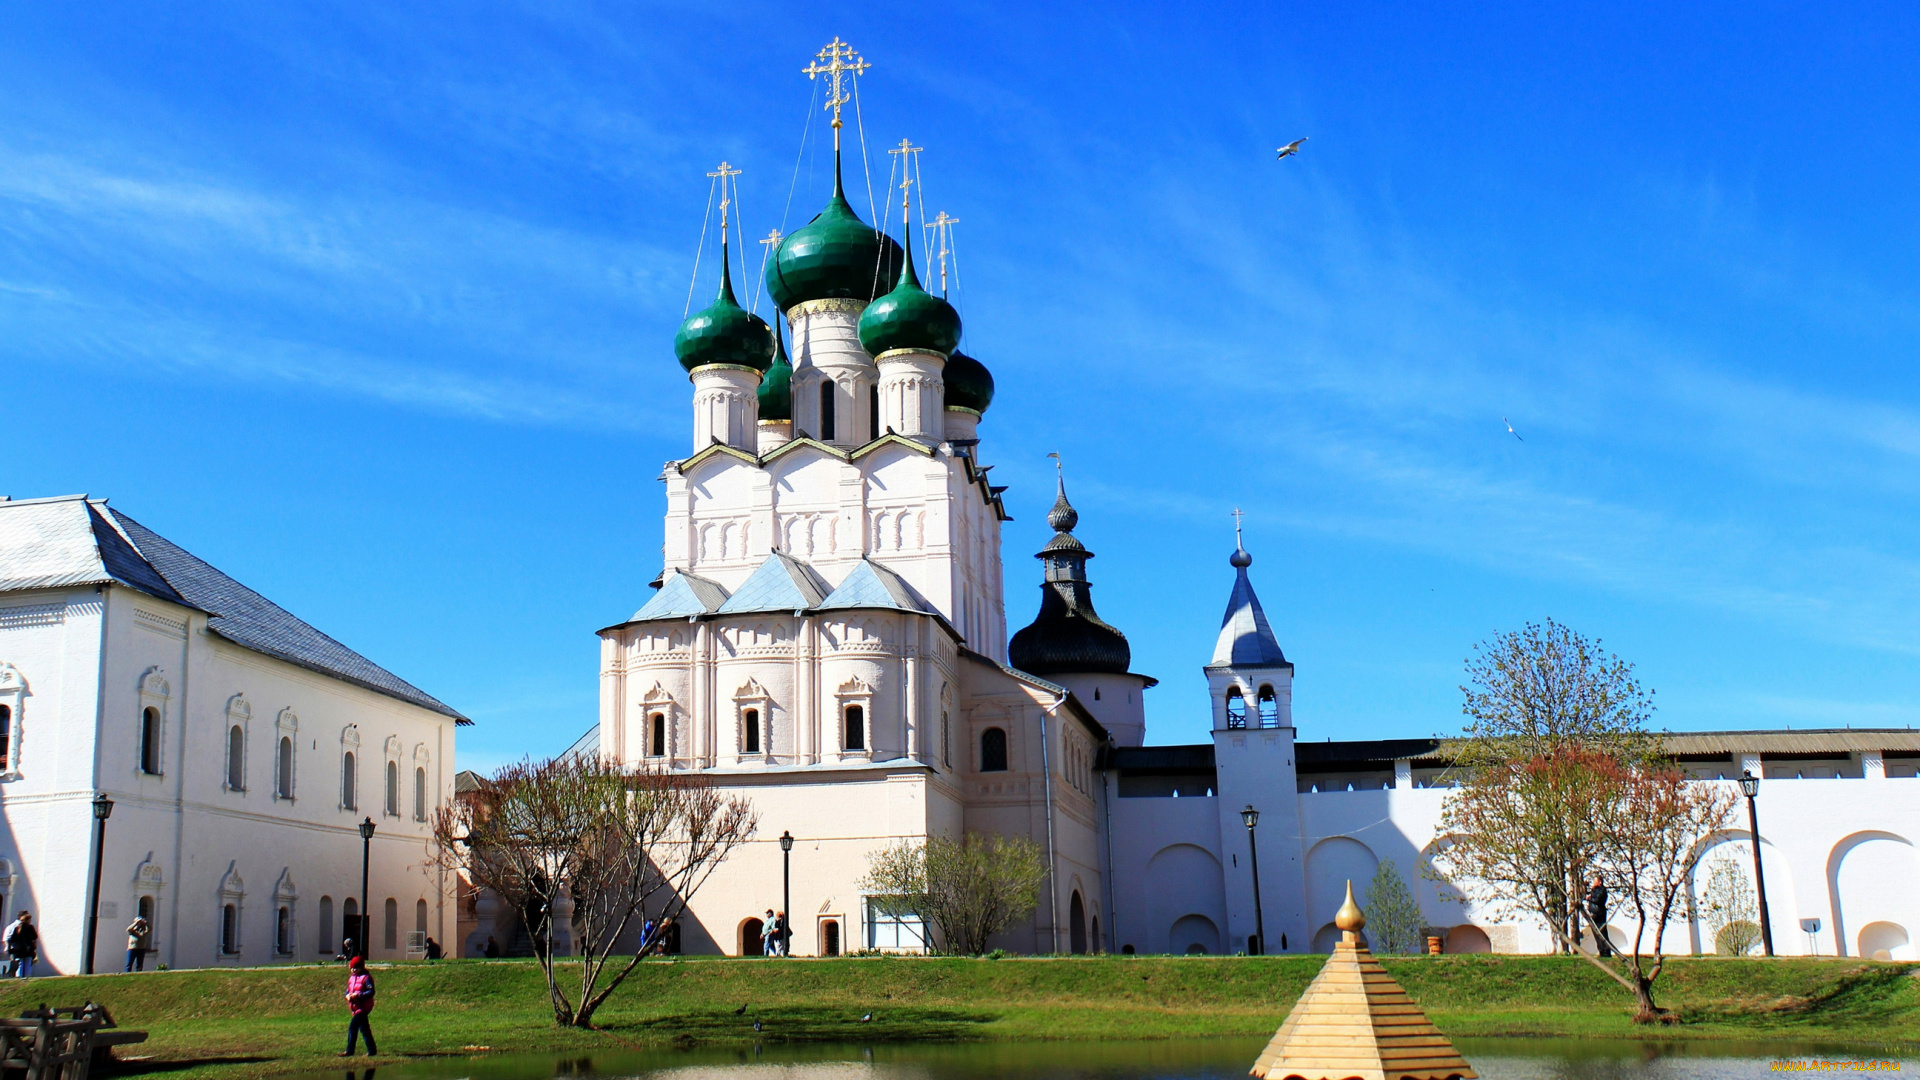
{"x": 1749, "y": 783}
{"x": 102, "y": 806}
{"x": 786, "y": 840}
{"x": 366, "y": 829}
{"x": 1250, "y": 816}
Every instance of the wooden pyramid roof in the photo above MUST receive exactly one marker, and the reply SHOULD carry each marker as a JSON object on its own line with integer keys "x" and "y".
{"x": 1355, "y": 1023}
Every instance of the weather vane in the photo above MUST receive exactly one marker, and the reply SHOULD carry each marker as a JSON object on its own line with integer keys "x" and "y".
{"x": 941, "y": 225}
{"x": 840, "y": 61}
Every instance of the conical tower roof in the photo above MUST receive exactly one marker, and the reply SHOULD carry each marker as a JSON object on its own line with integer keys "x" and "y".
{"x": 1355, "y": 1022}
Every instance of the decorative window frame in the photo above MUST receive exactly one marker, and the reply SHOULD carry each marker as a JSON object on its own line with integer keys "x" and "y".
{"x": 658, "y": 700}
{"x": 854, "y": 691}
{"x": 753, "y": 696}
{"x": 233, "y": 890}
{"x": 13, "y": 695}
{"x": 390, "y": 769}
{"x": 424, "y": 808}
{"x": 286, "y": 894}
{"x": 286, "y": 725}
{"x": 240, "y": 715}
{"x": 155, "y": 693}
{"x": 350, "y": 744}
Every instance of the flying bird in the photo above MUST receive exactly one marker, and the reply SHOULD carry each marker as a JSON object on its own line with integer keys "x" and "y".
{"x": 1290, "y": 149}
{"x": 742, "y": 1010}
{"x": 867, "y": 1019}
{"x": 1510, "y": 430}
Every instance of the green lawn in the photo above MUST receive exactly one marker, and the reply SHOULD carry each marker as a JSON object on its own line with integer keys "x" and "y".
{"x": 235, "y": 1024}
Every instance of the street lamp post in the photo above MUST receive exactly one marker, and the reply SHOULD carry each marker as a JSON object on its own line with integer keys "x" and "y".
{"x": 1252, "y": 818}
{"x": 1750, "y": 786}
{"x": 786, "y": 890}
{"x": 102, "y": 810}
{"x": 366, "y": 913}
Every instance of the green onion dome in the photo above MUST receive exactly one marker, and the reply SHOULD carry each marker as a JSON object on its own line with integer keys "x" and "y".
{"x": 909, "y": 317}
{"x": 724, "y": 332}
{"x": 969, "y": 383}
{"x": 834, "y": 255}
{"x": 776, "y": 386}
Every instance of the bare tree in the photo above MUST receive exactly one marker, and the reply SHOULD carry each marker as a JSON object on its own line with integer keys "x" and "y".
{"x": 618, "y": 843}
{"x": 969, "y": 889}
{"x": 1728, "y": 907}
{"x": 1393, "y": 916}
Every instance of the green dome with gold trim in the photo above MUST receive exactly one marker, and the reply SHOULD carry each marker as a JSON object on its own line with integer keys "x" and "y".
{"x": 909, "y": 317}
{"x": 836, "y": 255}
{"x": 969, "y": 383}
{"x": 776, "y": 386}
{"x": 724, "y": 332}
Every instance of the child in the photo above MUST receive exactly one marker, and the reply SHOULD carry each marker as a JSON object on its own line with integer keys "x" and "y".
{"x": 359, "y": 1004}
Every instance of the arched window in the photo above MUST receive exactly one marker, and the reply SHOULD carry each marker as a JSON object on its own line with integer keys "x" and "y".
{"x": 283, "y": 769}
{"x": 236, "y": 759}
{"x": 657, "y": 747}
{"x": 750, "y": 731}
{"x": 326, "y": 926}
{"x": 6, "y": 737}
{"x": 826, "y": 410}
{"x": 150, "y": 741}
{"x": 420, "y": 917}
{"x": 350, "y": 928}
{"x": 993, "y": 750}
{"x": 229, "y": 929}
{"x": 856, "y": 726}
{"x": 830, "y": 938}
{"x": 349, "y": 782}
{"x": 283, "y": 931}
{"x": 419, "y": 793}
{"x": 1269, "y": 707}
{"x": 393, "y": 789}
{"x": 391, "y": 937}
{"x": 1236, "y": 709}
{"x": 873, "y": 410}
{"x": 1077, "y": 925}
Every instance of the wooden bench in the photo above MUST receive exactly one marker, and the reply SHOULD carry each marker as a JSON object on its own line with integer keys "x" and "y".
{"x": 61, "y": 1043}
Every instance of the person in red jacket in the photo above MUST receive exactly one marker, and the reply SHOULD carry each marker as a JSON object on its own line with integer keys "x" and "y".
{"x": 359, "y": 1005}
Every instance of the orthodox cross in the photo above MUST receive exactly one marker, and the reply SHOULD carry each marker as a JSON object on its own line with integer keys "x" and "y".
{"x": 906, "y": 150}
{"x": 941, "y": 225}
{"x": 771, "y": 242}
{"x": 724, "y": 172}
{"x": 1237, "y": 515}
{"x": 840, "y": 61}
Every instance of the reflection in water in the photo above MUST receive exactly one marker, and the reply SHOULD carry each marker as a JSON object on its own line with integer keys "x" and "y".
{"x": 1197, "y": 1059}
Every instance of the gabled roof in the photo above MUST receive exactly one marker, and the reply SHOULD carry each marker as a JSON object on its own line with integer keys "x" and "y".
{"x": 1245, "y": 638}
{"x": 682, "y": 594}
{"x": 782, "y": 583}
{"x": 74, "y": 540}
{"x": 872, "y": 585}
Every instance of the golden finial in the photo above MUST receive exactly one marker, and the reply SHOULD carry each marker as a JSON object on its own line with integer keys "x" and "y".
{"x": 840, "y": 61}
{"x": 724, "y": 172}
{"x": 941, "y": 225}
{"x": 1350, "y": 919}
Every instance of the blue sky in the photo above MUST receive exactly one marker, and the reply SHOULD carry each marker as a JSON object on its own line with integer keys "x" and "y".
{"x": 372, "y": 307}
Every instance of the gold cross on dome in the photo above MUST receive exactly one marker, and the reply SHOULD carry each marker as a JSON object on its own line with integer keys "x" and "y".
{"x": 941, "y": 225}
{"x": 906, "y": 150}
{"x": 772, "y": 239}
{"x": 724, "y": 172}
{"x": 840, "y": 61}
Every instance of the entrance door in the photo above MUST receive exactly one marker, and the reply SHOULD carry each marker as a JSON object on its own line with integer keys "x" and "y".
{"x": 750, "y": 942}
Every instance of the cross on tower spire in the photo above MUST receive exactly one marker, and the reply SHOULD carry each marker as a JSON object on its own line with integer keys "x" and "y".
{"x": 839, "y": 61}
{"x": 724, "y": 172}
{"x": 906, "y": 150}
{"x": 942, "y": 225}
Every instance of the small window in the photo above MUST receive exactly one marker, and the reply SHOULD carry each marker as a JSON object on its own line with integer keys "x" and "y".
{"x": 1236, "y": 709}
{"x": 993, "y": 750}
{"x": 283, "y": 931}
{"x": 283, "y": 769}
{"x": 658, "y": 745}
{"x": 326, "y": 926}
{"x": 349, "y": 782}
{"x": 419, "y": 793}
{"x": 6, "y": 738}
{"x": 894, "y": 930}
{"x": 229, "y": 930}
{"x": 350, "y": 928}
{"x": 150, "y": 741}
{"x": 826, "y": 411}
{"x": 856, "y": 728}
{"x": 946, "y": 739}
{"x": 236, "y": 759}
{"x": 420, "y": 916}
{"x": 873, "y": 410}
{"x": 1269, "y": 707}
{"x": 390, "y": 938}
{"x": 750, "y": 730}
{"x": 393, "y": 789}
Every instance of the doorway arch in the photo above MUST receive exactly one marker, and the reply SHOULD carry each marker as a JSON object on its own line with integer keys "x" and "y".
{"x": 751, "y": 942}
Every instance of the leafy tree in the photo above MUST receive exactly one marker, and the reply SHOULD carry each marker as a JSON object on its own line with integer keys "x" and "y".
{"x": 968, "y": 889}
{"x": 615, "y": 844}
{"x": 1727, "y": 905}
{"x": 1393, "y": 919}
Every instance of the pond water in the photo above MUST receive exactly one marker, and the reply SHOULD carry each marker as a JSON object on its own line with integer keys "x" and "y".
{"x": 1199, "y": 1059}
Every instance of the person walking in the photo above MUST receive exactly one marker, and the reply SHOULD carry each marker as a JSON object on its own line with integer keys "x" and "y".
{"x": 782, "y": 936}
{"x": 1597, "y": 916}
{"x": 22, "y": 943}
{"x": 359, "y": 1006}
{"x": 137, "y": 944}
{"x": 769, "y": 935}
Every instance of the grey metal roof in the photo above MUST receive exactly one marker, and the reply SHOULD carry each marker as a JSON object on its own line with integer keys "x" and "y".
{"x": 73, "y": 540}
{"x": 1816, "y": 741}
{"x": 782, "y": 583}
{"x": 872, "y": 585}
{"x": 682, "y": 594}
{"x": 1245, "y": 638}
{"x": 586, "y": 746}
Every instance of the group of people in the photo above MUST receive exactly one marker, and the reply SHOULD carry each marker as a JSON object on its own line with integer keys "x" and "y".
{"x": 775, "y": 935}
